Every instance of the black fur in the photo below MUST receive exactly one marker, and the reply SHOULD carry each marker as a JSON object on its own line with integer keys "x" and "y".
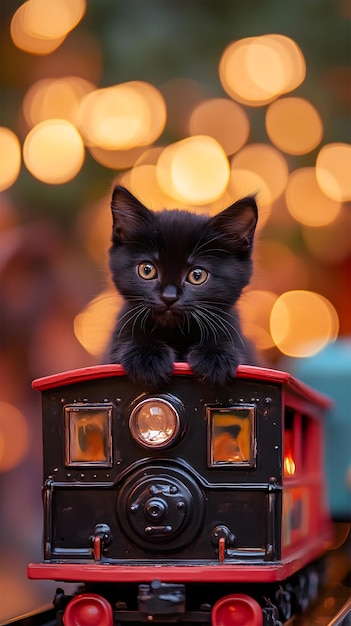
{"x": 166, "y": 318}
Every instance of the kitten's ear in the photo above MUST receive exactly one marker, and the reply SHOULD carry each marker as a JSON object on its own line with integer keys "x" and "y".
{"x": 129, "y": 215}
{"x": 238, "y": 222}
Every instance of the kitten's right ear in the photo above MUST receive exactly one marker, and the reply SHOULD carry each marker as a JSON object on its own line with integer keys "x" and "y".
{"x": 129, "y": 215}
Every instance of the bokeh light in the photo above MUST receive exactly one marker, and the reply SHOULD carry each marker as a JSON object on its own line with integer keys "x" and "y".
{"x": 306, "y": 201}
{"x": 122, "y": 116}
{"x": 54, "y": 98}
{"x": 256, "y": 70}
{"x": 294, "y": 125}
{"x": 27, "y": 40}
{"x": 266, "y": 162}
{"x": 222, "y": 119}
{"x": 40, "y": 26}
{"x": 14, "y": 437}
{"x": 255, "y": 308}
{"x": 10, "y": 158}
{"x": 53, "y": 151}
{"x": 333, "y": 167}
{"x": 93, "y": 326}
{"x": 302, "y": 323}
{"x": 194, "y": 170}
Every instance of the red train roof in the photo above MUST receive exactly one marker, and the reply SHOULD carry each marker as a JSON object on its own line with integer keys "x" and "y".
{"x": 248, "y": 372}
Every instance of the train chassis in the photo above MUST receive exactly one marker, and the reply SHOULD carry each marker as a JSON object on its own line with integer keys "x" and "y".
{"x": 114, "y": 604}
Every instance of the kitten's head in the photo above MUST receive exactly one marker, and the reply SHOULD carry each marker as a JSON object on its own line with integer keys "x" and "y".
{"x": 176, "y": 261}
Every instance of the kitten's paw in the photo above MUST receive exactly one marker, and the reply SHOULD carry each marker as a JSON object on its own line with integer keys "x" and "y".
{"x": 213, "y": 366}
{"x": 148, "y": 365}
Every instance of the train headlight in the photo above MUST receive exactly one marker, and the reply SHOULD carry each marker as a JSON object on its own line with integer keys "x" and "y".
{"x": 155, "y": 422}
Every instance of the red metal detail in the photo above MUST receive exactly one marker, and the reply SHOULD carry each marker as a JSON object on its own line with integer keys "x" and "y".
{"x": 221, "y": 549}
{"x": 97, "y": 548}
{"x": 221, "y": 572}
{"x": 88, "y": 609}
{"x": 243, "y": 371}
{"x": 236, "y": 610}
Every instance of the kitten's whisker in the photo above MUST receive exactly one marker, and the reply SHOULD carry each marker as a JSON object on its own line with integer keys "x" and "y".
{"x": 224, "y": 324}
{"x": 131, "y": 314}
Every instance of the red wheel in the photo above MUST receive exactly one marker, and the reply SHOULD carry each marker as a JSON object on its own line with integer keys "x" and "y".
{"x": 88, "y": 609}
{"x": 236, "y": 610}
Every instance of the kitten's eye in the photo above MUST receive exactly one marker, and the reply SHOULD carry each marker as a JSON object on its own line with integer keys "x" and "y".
{"x": 197, "y": 276}
{"x": 147, "y": 271}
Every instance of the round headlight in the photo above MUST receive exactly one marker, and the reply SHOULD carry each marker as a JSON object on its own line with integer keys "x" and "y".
{"x": 154, "y": 422}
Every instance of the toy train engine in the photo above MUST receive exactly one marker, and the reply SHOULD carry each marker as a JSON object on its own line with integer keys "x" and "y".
{"x": 191, "y": 505}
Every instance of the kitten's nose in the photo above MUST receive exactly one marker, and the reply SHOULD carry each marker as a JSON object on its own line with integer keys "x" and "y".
{"x": 169, "y": 294}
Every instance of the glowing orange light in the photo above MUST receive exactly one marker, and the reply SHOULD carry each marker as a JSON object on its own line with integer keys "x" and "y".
{"x": 10, "y": 158}
{"x": 302, "y": 323}
{"x": 306, "y": 201}
{"x": 54, "y": 98}
{"x": 267, "y": 163}
{"x": 255, "y": 70}
{"x": 289, "y": 466}
{"x": 194, "y": 170}
{"x": 116, "y": 159}
{"x": 14, "y": 437}
{"x": 333, "y": 167}
{"x": 94, "y": 324}
{"x": 222, "y": 119}
{"x": 123, "y": 116}
{"x": 52, "y": 18}
{"x": 294, "y": 125}
{"x": 27, "y": 41}
{"x": 53, "y": 151}
{"x": 255, "y": 309}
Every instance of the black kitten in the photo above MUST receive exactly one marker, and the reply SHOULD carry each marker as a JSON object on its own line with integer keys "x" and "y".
{"x": 180, "y": 275}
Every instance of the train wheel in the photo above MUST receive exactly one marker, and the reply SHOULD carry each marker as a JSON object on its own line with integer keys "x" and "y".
{"x": 283, "y": 600}
{"x": 88, "y": 609}
{"x": 237, "y": 610}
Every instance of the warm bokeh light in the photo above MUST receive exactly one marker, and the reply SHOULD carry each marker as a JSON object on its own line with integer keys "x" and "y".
{"x": 302, "y": 323}
{"x": 194, "y": 170}
{"x": 256, "y": 70}
{"x": 255, "y": 309}
{"x": 94, "y": 324}
{"x": 53, "y": 151}
{"x": 222, "y": 119}
{"x": 330, "y": 243}
{"x": 10, "y": 158}
{"x": 116, "y": 159}
{"x": 52, "y": 19}
{"x": 294, "y": 125}
{"x": 123, "y": 116}
{"x": 333, "y": 167}
{"x": 14, "y": 437}
{"x": 245, "y": 183}
{"x": 266, "y": 162}
{"x": 26, "y": 40}
{"x": 54, "y": 98}
{"x": 306, "y": 201}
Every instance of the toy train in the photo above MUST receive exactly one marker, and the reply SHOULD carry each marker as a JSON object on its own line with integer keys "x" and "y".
{"x": 194, "y": 505}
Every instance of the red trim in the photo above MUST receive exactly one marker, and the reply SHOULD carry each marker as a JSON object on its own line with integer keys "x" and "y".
{"x": 243, "y": 371}
{"x": 221, "y": 572}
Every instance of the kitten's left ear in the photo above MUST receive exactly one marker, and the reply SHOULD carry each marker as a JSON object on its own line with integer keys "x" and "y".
{"x": 129, "y": 215}
{"x": 238, "y": 222}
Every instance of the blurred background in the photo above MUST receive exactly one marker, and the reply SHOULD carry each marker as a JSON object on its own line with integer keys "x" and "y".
{"x": 190, "y": 104}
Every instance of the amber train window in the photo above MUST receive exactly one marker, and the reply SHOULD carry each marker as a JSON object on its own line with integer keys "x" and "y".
{"x": 88, "y": 435}
{"x": 231, "y": 436}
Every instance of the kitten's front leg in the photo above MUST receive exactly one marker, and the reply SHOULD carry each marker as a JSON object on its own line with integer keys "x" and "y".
{"x": 149, "y": 364}
{"x": 214, "y": 364}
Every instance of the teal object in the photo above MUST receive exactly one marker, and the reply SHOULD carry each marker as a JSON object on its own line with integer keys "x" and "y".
{"x": 329, "y": 371}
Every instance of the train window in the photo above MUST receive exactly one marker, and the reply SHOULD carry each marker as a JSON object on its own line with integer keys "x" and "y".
{"x": 231, "y": 436}
{"x": 88, "y": 435}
